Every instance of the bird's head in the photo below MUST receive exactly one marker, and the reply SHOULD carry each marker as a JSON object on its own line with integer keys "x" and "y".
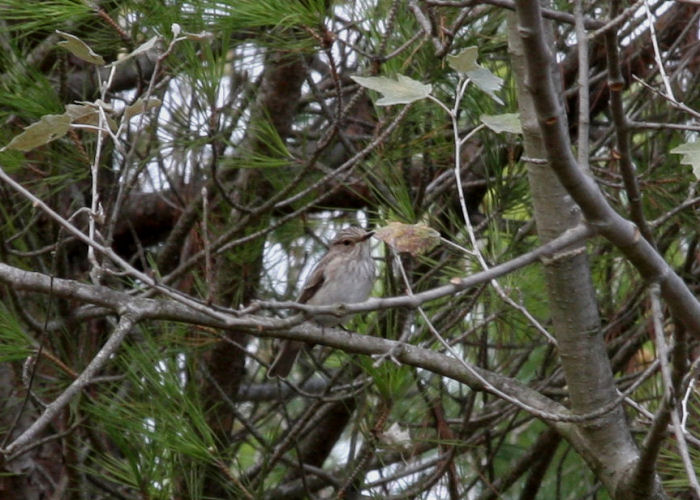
{"x": 349, "y": 239}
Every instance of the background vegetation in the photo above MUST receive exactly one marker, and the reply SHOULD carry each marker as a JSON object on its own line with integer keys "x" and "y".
{"x": 192, "y": 159}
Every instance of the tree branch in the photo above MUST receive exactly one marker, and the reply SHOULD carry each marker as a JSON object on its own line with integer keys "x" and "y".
{"x": 15, "y": 448}
{"x": 615, "y": 85}
{"x": 621, "y": 232}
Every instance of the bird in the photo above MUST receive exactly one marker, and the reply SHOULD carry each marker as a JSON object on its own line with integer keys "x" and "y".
{"x": 344, "y": 275}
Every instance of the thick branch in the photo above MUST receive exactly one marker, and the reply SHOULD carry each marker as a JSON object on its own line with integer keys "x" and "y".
{"x": 621, "y": 232}
{"x": 121, "y": 302}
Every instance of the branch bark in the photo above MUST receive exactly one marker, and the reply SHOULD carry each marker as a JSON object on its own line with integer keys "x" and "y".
{"x": 621, "y": 232}
{"x": 609, "y": 449}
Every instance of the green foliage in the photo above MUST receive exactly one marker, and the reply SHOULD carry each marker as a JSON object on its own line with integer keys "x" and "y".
{"x": 15, "y": 344}
{"x": 26, "y": 92}
{"x": 144, "y": 426}
{"x": 158, "y": 426}
{"x": 389, "y": 380}
{"x": 247, "y": 14}
{"x": 28, "y": 18}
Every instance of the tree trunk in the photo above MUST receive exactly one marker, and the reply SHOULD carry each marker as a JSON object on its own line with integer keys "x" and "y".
{"x": 608, "y": 446}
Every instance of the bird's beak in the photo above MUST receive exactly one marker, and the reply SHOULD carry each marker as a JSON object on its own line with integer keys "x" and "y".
{"x": 367, "y": 236}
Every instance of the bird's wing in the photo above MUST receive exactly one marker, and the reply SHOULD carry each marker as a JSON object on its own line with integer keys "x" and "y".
{"x": 314, "y": 281}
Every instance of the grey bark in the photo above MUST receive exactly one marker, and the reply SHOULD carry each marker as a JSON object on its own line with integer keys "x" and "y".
{"x": 608, "y": 446}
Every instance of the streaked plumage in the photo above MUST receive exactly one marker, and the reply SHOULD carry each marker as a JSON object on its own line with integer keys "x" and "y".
{"x": 344, "y": 275}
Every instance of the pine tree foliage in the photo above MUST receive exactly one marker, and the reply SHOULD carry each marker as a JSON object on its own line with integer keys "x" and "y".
{"x": 170, "y": 172}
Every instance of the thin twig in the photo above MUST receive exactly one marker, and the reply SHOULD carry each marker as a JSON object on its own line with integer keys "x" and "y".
{"x": 458, "y": 144}
{"x": 670, "y": 99}
{"x": 662, "y": 355}
{"x": 128, "y": 268}
{"x": 617, "y": 21}
{"x": 657, "y": 52}
{"x": 207, "y": 248}
{"x": 686, "y": 204}
{"x": 95, "y": 213}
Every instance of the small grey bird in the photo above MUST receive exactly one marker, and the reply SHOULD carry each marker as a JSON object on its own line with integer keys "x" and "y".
{"x": 344, "y": 275}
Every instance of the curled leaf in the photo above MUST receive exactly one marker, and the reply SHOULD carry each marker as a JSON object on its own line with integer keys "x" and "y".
{"x": 396, "y": 437}
{"x": 141, "y": 49}
{"x": 202, "y": 36}
{"x": 82, "y": 113}
{"x": 403, "y": 90}
{"x": 88, "y": 113}
{"x": 48, "y": 129}
{"x": 79, "y": 49}
{"x": 415, "y": 239}
{"x": 141, "y": 106}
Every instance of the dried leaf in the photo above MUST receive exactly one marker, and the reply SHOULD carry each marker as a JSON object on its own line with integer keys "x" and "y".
{"x": 202, "y": 36}
{"x": 82, "y": 113}
{"x": 415, "y": 239}
{"x": 87, "y": 113}
{"x": 396, "y": 437}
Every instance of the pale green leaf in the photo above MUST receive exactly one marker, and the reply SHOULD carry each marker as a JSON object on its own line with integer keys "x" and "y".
{"x": 465, "y": 61}
{"x": 141, "y": 49}
{"x": 508, "y": 122}
{"x": 486, "y": 81}
{"x": 79, "y": 49}
{"x": 404, "y": 90}
{"x": 49, "y": 128}
{"x": 691, "y": 155}
{"x": 141, "y": 106}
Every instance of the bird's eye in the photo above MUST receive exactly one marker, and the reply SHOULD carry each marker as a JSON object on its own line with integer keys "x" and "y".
{"x": 347, "y": 242}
